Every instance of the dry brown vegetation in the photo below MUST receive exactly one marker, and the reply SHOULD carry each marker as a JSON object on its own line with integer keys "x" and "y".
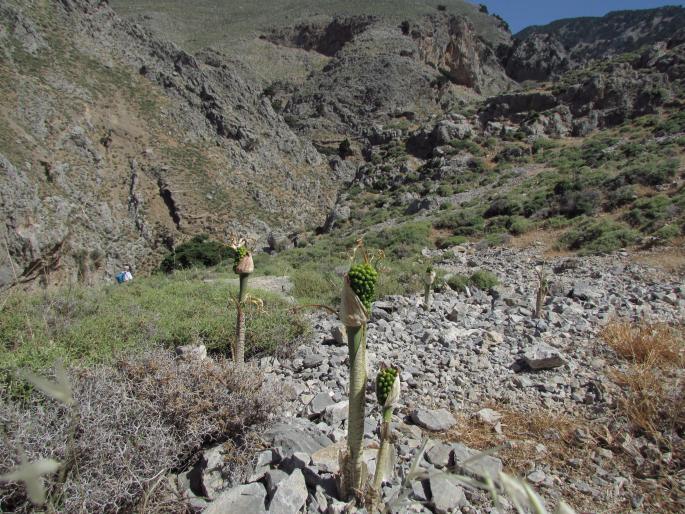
{"x": 653, "y": 390}
{"x": 136, "y": 421}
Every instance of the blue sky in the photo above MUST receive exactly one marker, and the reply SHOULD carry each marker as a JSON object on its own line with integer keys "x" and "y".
{"x": 522, "y": 13}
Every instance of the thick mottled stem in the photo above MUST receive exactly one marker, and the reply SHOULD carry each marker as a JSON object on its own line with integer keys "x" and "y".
{"x": 239, "y": 347}
{"x": 356, "y": 344}
{"x": 427, "y": 299}
{"x": 384, "y": 451}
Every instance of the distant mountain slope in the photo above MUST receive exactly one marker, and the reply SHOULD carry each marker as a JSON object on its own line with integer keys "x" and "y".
{"x": 540, "y": 51}
{"x": 201, "y": 23}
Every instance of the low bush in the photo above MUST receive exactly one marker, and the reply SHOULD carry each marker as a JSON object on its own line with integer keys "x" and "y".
{"x": 648, "y": 214}
{"x": 136, "y": 421}
{"x": 199, "y": 251}
{"x": 458, "y": 282}
{"x": 651, "y": 173}
{"x": 466, "y": 145}
{"x": 518, "y": 225}
{"x": 461, "y": 223}
{"x": 619, "y": 197}
{"x": 503, "y": 207}
{"x": 593, "y": 236}
{"x": 483, "y": 280}
{"x": 448, "y": 242}
{"x": 401, "y": 241}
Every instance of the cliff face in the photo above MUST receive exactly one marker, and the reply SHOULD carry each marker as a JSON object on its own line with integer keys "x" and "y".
{"x": 380, "y": 70}
{"x": 116, "y": 145}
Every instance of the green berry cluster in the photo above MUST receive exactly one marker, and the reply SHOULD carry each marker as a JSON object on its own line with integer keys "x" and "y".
{"x": 238, "y": 255}
{"x": 384, "y": 381}
{"x": 363, "y": 278}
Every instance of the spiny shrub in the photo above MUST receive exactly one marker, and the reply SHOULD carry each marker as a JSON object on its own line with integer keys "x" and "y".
{"x": 147, "y": 415}
{"x": 199, "y": 251}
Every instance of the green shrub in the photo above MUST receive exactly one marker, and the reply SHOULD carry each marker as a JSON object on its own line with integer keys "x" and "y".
{"x": 461, "y": 223}
{"x": 198, "y": 252}
{"x": 518, "y": 225}
{"x": 673, "y": 125}
{"x": 668, "y": 232}
{"x": 593, "y": 236}
{"x": 483, "y": 280}
{"x": 620, "y": 197}
{"x": 648, "y": 213}
{"x": 651, "y": 173}
{"x": 466, "y": 145}
{"x": 448, "y": 242}
{"x": 404, "y": 240}
{"x": 458, "y": 282}
{"x": 503, "y": 207}
{"x": 578, "y": 203}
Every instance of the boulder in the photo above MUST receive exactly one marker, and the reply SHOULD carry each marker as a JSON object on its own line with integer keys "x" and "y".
{"x": 246, "y": 499}
{"x": 434, "y": 420}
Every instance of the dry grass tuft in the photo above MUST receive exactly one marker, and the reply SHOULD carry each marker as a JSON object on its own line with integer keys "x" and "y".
{"x": 651, "y": 345}
{"x": 135, "y": 423}
{"x": 653, "y": 389}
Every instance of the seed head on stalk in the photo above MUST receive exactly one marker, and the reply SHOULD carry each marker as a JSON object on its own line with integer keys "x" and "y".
{"x": 243, "y": 265}
{"x": 387, "y": 394}
{"x": 358, "y": 293}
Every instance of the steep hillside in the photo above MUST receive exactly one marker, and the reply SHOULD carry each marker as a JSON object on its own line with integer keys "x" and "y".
{"x": 541, "y": 51}
{"x": 115, "y": 145}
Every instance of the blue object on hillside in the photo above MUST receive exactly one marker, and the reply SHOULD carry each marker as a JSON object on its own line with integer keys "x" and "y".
{"x": 120, "y": 277}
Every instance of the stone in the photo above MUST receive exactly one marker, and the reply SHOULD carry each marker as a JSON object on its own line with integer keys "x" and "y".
{"x": 434, "y": 420}
{"x": 246, "y": 499}
{"x": 335, "y": 414}
{"x": 212, "y": 471}
{"x": 272, "y": 478}
{"x": 489, "y": 416}
{"x": 319, "y": 403}
{"x": 191, "y": 352}
{"x": 327, "y": 459}
{"x": 446, "y": 495}
{"x": 536, "y": 477}
{"x": 483, "y": 465}
{"x": 339, "y": 335}
{"x": 291, "y": 495}
{"x": 300, "y": 435}
{"x": 542, "y": 356}
{"x": 439, "y": 454}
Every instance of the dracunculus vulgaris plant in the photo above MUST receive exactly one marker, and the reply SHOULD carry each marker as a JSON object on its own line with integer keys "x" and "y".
{"x": 428, "y": 280}
{"x": 387, "y": 394}
{"x": 358, "y": 293}
{"x": 243, "y": 266}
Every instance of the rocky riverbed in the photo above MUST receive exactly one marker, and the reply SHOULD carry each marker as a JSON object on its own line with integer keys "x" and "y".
{"x": 475, "y": 368}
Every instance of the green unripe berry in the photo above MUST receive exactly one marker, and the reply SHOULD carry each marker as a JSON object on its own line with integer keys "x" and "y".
{"x": 238, "y": 255}
{"x": 363, "y": 279}
{"x": 384, "y": 382}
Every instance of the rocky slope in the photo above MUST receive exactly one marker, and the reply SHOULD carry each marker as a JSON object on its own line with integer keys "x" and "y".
{"x": 542, "y": 51}
{"x": 118, "y": 145}
{"x": 468, "y": 364}
{"x": 115, "y": 145}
